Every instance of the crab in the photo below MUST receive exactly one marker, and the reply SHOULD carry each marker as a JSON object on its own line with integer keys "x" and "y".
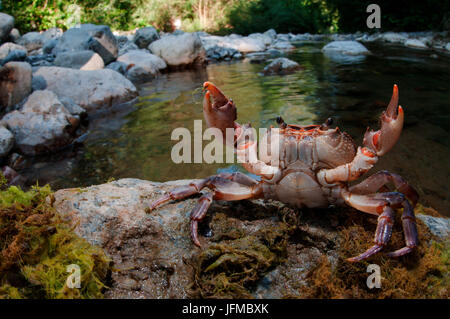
{"x": 312, "y": 168}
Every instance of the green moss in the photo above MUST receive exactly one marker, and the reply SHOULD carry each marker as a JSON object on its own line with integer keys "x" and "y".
{"x": 231, "y": 267}
{"x": 37, "y": 246}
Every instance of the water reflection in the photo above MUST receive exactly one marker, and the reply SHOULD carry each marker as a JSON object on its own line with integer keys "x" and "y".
{"x": 135, "y": 142}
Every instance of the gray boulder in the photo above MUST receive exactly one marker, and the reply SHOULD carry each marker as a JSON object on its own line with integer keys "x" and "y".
{"x": 42, "y": 124}
{"x": 6, "y": 141}
{"x": 14, "y": 35}
{"x": 281, "y": 66}
{"x": 345, "y": 47}
{"x": 33, "y": 41}
{"x": 83, "y": 60}
{"x": 15, "y": 81}
{"x": 118, "y": 67}
{"x": 14, "y": 55}
{"x": 439, "y": 226}
{"x": 415, "y": 43}
{"x": 180, "y": 50}
{"x": 6, "y": 25}
{"x": 126, "y": 47}
{"x": 141, "y": 65}
{"x": 92, "y": 90}
{"x": 97, "y": 38}
{"x": 144, "y": 36}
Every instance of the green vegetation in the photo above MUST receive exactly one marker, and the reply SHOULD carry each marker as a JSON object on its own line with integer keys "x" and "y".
{"x": 224, "y": 16}
{"x": 36, "y": 247}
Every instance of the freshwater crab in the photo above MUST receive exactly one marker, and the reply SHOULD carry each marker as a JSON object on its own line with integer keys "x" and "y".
{"x": 313, "y": 167}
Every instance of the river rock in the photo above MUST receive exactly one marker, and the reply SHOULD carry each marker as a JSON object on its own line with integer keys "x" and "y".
{"x": 83, "y": 60}
{"x": 439, "y": 226}
{"x": 125, "y": 47}
{"x": 92, "y": 90}
{"x": 40, "y": 59}
{"x": 15, "y": 81}
{"x": 144, "y": 36}
{"x": 97, "y": 38}
{"x": 281, "y": 66}
{"x": 447, "y": 46}
{"x": 42, "y": 124}
{"x": 180, "y": 50}
{"x": 6, "y": 25}
{"x": 415, "y": 43}
{"x": 7, "y": 47}
{"x": 141, "y": 66}
{"x": 6, "y": 141}
{"x": 14, "y": 35}
{"x": 14, "y": 55}
{"x": 263, "y": 37}
{"x": 282, "y": 45}
{"x": 118, "y": 67}
{"x": 345, "y": 47}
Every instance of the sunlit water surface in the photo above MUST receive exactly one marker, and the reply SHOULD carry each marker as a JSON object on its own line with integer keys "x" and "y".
{"x": 135, "y": 141}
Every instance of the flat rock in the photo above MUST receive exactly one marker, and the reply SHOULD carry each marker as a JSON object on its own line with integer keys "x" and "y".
{"x": 345, "y": 47}
{"x": 92, "y": 90}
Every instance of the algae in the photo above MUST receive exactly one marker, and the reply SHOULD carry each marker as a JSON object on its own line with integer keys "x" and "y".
{"x": 231, "y": 265}
{"x": 36, "y": 246}
{"x": 420, "y": 274}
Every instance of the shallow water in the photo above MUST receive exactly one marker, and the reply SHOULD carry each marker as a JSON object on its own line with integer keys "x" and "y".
{"x": 136, "y": 140}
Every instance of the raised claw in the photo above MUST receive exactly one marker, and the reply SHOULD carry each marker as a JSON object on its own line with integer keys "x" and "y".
{"x": 221, "y": 113}
{"x": 383, "y": 140}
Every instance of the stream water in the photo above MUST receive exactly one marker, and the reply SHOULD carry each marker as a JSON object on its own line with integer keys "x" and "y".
{"x": 135, "y": 141}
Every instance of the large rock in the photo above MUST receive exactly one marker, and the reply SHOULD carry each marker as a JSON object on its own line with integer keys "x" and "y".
{"x": 7, "y": 47}
{"x": 345, "y": 47}
{"x": 235, "y": 42}
{"x": 141, "y": 65}
{"x": 6, "y": 141}
{"x": 83, "y": 60}
{"x": 91, "y": 90}
{"x": 42, "y": 124}
{"x": 393, "y": 37}
{"x": 97, "y": 38}
{"x": 15, "y": 83}
{"x": 6, "y": 25}
{"x": 275, "y": 247}
{"x": 281, "y": 66}
{"x": 144, "y": 36}
{"x": 179, "y": 50}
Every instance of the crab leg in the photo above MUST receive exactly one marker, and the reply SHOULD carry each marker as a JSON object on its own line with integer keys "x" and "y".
{"x": 381, "y": 178}
{"x": 225, "y": 186}
{"x": 382, "y": 204}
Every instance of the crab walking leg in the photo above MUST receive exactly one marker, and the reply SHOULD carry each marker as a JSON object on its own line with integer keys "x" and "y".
{"x": 375, "y": 182}
{"x": 377, "y": 204}
{"x": 224, "y": 189}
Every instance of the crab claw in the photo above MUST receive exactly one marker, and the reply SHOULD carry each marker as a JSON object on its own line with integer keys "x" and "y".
{"x": 221, "y": 111}
{"x": 383, "y": 140}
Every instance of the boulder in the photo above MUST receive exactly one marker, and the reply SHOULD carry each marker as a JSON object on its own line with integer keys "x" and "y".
{"x": 271, "y": 33}
{"x": 415, "y": 43}
{"x": 6, "y": 141}
{"x": 281, "y": 66}
{"x": 91, "y": 90}
{"x": 263, "y": 37}
{"x": 6, "y": 25}
{"x": 345, "y": 47}
{"x": 118, "y": 67}
{"x": 40, "y": 59}
{"x": 15, "y": 81}
{"x": 97, "y": 38}
{"x": 125, "y": 47}
{"x": 42, "y": 124}
{"x": 439, "y": 226}
{"x": 447, "y": 46}
{"x": 7, "y": 47}
{"x": 83, "y": 60}
{"x": 144, "y": 36}
{"x": 180, "y": 50}
{"x": 141, "y": 66}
